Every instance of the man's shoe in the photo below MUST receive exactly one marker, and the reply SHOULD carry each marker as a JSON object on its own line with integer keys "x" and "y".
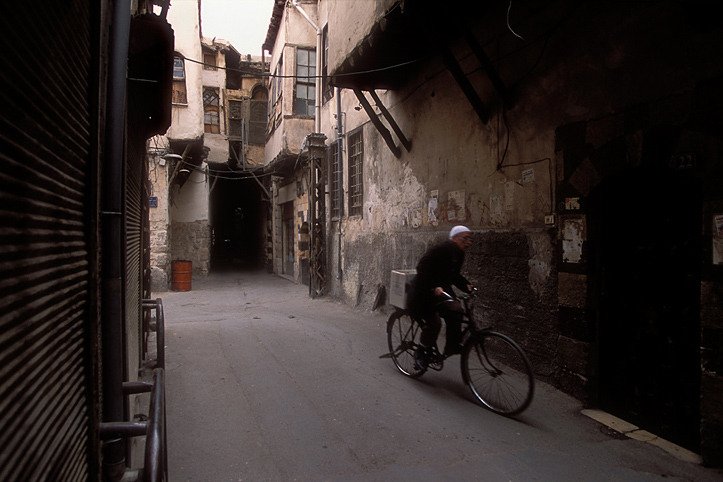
{"x": 421, "y": 360}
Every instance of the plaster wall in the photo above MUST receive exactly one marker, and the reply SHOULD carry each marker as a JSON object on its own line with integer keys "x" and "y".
{"x": 190, "y": 202}
{"x": 255, "y": 155}
{"x": 295, "y": 31}
{"x": 450, "y": 177}
{"x": 218, "y": 147}
{"x": 159, "y": 223}
{"x": 215, "y": 78}
{"x": 187, "y": 119}
{"x": 190, "y": 232}
{"x": 355, "y": 18}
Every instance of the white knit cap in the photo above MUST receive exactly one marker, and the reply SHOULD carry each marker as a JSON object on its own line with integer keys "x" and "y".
{"x": 457, "y": 230}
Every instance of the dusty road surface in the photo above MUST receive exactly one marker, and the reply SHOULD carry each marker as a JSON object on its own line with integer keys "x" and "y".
{"x": 264, "y": 383}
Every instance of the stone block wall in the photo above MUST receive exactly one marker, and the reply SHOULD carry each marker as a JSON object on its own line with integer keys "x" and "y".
{"x": 192, "y": 241}
{"x": 160, "y": 257}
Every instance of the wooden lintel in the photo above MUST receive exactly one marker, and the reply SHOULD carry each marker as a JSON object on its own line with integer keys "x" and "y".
{"x": 453, "y": 66}
{"x": 383, "y": 131}
{"x": 388, "y": 116}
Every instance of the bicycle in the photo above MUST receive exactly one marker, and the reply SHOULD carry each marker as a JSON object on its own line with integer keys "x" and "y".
{"x": 493, "y": 365}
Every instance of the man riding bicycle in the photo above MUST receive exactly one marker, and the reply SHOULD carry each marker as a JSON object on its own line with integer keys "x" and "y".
{"x": 437, "y": 271}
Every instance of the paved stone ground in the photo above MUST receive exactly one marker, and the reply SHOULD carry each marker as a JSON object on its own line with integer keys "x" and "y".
{"x": 264, "y": 383}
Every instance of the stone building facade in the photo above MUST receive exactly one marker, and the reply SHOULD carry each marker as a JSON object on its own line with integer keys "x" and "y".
{"x": 580, "y": 142}
{"x": 292, "y": 42}
{"x": 208, "y": 156}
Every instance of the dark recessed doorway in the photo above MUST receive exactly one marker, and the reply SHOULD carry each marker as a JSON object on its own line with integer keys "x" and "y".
{"x": 237, "y": 220}
{"x": 645, "y": 246}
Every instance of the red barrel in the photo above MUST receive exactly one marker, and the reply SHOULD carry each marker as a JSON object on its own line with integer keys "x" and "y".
{"x": 181, "y": 274}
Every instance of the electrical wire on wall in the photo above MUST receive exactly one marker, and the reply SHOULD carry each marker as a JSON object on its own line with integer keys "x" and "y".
{"x": 215, "y": 172}
{"x": 268, "y": 74}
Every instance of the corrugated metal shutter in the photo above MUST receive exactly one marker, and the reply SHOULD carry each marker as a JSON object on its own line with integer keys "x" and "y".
{"x": 134, "y": 243}
{"x": 45, "y": 319}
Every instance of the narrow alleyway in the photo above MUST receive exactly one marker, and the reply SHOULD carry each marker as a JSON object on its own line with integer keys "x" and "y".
{"x": 264, "y": 383}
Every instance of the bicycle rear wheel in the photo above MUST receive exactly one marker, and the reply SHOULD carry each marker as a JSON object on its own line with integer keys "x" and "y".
{"x": 498, "y": 373}
{"x": 403, "y": 334}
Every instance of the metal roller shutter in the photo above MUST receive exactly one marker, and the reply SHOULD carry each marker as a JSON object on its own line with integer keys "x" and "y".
{"x": 134, "y": 241}
{"x": 45, "y": 320}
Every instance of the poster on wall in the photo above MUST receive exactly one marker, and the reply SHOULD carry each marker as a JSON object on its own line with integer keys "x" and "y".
{"x": 456, "y": 209}
{"x": 432, "y": 207}
{"x": 573, "y": 236}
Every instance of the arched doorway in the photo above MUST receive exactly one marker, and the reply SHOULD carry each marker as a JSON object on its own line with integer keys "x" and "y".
{"x": 645, "y": 245}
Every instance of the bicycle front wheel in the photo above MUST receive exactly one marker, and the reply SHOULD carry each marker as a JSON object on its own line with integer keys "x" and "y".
{"x": 498, "y": 373}
{"x": 403, "y": 334}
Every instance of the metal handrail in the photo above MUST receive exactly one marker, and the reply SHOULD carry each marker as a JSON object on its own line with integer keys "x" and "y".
{"x": 160, "y": 330}
{"x": 155, "y": 463}
{"x": 156, "y": 457}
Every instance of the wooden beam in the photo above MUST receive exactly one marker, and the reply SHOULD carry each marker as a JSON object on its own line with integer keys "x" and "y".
{"x": 486, "y": 64}
{"x": 405, "y": 142}
{"x": 451, "y": 63}
{"x": 383, "y": 131}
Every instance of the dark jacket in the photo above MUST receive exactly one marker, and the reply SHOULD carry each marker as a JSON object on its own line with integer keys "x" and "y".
{"x": 440, "y": 266}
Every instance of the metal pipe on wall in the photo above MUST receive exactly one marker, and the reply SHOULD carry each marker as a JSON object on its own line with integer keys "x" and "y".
{"x": 114, "y": 452}
{"x": 340, "y": 179}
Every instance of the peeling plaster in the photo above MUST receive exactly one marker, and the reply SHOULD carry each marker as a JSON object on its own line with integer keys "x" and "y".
{"x": 395, "y": 206}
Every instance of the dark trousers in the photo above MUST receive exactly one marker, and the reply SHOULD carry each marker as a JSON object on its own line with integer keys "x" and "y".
{"x": 452, "y": 314}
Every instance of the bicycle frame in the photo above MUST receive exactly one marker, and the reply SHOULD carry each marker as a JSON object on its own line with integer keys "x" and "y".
{"x": 494, "y": 366}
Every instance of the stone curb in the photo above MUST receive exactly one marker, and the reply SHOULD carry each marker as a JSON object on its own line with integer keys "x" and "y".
{"x": 634, "y": 432}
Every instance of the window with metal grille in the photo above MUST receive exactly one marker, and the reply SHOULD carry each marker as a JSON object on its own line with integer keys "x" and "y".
{"x": 305, "y": 92}
{"x": 356, "y": 172}
{"x": 179, "y": 81}
{"x": 335, "y": 173}
{"x": 210, "y": 110}
{"x": 235, "y": 119}
{"x": 327, "y": 91}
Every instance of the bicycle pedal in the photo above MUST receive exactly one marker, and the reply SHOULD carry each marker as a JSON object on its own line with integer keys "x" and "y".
{"x": 436, "y": 365}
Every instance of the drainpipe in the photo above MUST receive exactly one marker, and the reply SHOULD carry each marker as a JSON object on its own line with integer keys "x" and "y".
{"x": 114, "y": 456}
{"x": 340, "y": 152}
{"x": 317, "y": 83}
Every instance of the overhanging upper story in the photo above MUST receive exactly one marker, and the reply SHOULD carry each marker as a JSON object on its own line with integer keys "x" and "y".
{"x": 388, "y": 43}
{"x": 291, "y": 41}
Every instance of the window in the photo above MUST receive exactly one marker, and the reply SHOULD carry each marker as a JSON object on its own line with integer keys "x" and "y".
{"x": 210, "y": 110}
{"x": 356, "y": 172}
{"x": 179, "y": 81}
{"x": 209, "y": 60}
{"x": 335, "y": 167}
{"x": 327, "y": 91}
{"x": 235, "y": 119}
{"x": 258, "y": 116}
{"x": 275, "y": 84}
{"x": 305, "y": 95}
